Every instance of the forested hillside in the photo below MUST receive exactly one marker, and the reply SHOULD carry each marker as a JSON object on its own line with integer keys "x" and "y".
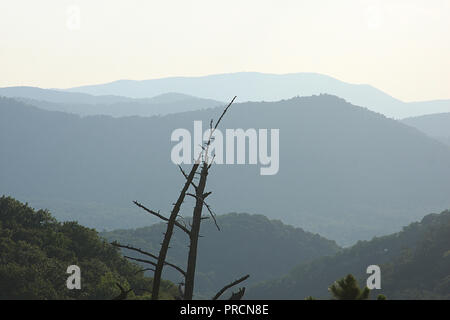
{"x": 245, "y": 243}
{"x": 344, "y": 172}
{"x": 415, "y": 264}
{"x": 35, "y": 251}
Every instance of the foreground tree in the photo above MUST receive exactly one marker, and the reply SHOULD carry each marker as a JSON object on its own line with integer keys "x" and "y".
{"x": 348, "y": 288}
{"x": 203, "y": 162}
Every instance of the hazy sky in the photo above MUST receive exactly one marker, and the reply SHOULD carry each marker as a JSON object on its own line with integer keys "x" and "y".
{"x": 400, "y": 47}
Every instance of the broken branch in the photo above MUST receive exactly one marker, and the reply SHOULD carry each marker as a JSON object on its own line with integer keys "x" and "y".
{"x": 207, "y": 207}
{"x": 218, "y": 294}
{"x": 116, "y": 244}
{"x": 154, "y": 264}
{"x": 157, "y": 214}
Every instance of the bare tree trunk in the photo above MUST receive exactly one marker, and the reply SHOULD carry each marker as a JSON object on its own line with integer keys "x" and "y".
{"x": 168, "y": 235}
{"x": 200, "y": 196}
{"x": 195, "y": 232}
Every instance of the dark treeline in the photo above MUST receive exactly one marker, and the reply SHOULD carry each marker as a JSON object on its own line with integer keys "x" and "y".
{"x": 415, "y": 264}
{"x": 35, "y": 251}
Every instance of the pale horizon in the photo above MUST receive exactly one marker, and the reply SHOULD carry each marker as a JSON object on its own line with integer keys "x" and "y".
{"x": 399, "y": 47}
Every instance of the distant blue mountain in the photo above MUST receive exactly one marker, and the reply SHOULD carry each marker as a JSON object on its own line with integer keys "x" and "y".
{"x": 58, "y": 96}
{"x": 253, "y": 86}
{"x": 117, "y": 106}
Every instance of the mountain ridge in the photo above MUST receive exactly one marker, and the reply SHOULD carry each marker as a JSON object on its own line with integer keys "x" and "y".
{"x": 117, "y": 106}
{"x": 257, "y": 86}
{"x": 375, "y": 173}
{"x": 434, "y": 125}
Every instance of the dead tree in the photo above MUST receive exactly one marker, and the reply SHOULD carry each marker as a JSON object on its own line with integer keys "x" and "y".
{"x": 194, "y": 235}
{"x": 169, "y": 231}
{"x": 204, "y": 162}
{"x": 199, "y": 196}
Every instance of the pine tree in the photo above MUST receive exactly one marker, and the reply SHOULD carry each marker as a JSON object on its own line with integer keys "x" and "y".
{"x": 348, "y": 288}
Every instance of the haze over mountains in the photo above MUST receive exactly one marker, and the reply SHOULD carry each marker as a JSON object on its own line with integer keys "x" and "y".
{"x": 178, "y": 94}
{"x": 345, "y": 172}
{"x": 112, "y": 105}
{"x": 253, "y": 86}
{"x": 434, "y": 125}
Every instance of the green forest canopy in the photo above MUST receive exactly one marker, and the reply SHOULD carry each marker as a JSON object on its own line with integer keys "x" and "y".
{"x": 245, "y": 244}
{"x": 35, "y": 251}
{"x": 415, "y": 264}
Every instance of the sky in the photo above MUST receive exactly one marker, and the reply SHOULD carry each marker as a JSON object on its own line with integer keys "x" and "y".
{"x": 400, "y": 47}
